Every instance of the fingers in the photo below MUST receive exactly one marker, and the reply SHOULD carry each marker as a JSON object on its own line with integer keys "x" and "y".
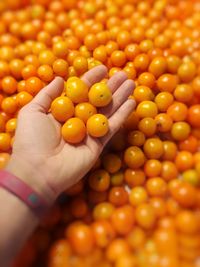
{"x": 95, "y": 75}
{"x": 42, "y": 101}
{"x": 119, "y": 97}
{"x": 94, "y": 144}
{"x": 118, "y": 119}
{"x": 116, "y": 80}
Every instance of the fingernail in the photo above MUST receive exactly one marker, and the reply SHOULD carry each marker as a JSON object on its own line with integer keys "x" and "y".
{"x": 132, "y": 100}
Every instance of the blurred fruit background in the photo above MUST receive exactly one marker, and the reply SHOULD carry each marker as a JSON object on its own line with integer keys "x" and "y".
{"x": 140, "y": 204}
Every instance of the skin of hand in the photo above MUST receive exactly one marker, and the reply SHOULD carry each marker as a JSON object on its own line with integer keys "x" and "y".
{"x": 40, "y": 155}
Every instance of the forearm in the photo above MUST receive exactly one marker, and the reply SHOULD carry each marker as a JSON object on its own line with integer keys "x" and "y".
{"x": 17, "y": 222}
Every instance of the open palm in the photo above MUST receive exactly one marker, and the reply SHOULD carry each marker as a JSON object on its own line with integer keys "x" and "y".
{"x": 39, "y": 146}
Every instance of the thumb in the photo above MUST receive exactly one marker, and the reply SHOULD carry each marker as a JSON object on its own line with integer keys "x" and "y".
{"x": 42, "y": 101}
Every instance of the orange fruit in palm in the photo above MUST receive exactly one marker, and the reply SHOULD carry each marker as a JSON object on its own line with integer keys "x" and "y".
{"x": 97, "y": 125}
{"x": 62, "y": 108}
{"x": 84, "y": 111}
{"x": 76, "y": 90}
{"x": 100, "y": 95}
{"x": 74, "y": 130}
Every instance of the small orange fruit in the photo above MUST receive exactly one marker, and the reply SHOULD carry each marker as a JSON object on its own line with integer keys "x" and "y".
{"x": 76, "y": 90}
{"x": 11, "y": 126}
{"x": 100, "y": 95}
{"x": 84, "y": 111}
{"x": 5, "y": 142}
{"x": 23, "y": 98}
{"x": 74, "y": 131}
{"x": 97, "y": 125}
{"x": 62, "y": 108}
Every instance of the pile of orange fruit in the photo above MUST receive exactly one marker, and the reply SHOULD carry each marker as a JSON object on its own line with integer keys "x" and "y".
{"x": 77, "y": 92}
{"x": 140, "y": 204}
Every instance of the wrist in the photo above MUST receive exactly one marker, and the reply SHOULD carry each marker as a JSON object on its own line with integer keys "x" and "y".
{"x": 31, "y": 176}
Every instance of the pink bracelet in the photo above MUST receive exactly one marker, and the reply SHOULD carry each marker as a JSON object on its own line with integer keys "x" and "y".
{"x": 24, "y": 192}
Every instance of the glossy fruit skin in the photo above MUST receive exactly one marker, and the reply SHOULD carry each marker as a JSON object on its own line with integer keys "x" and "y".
{"x": 11, "y": 126}
{"x": 186, "y": 222}
{"x": 156, "y": 187}
{"x": 183, "y": 93}
{"x": 97, "y": 125}
{"x": 5, "y": 142}
{"x": 184, "y": 194}
{"x": 100, "y": 95}
{"x": 194, "y": 115}
{"x": 81, "y": 238}
{"x": 9, "y": 105}
{"x": 9, "y": 85}
{"x": 134, "y": 157}
{"x": 145, "y": 216}
{"x": 60, "y": 67}
{"x": 111, "y": 163}
{"x": 167, "y": 82}
{"x": 147, "y": 109}
{"x": 136, "y": 138}
{"x": 23, "y": 98}
{"x": 99, "y": 180}
{"x": 134, "y": 177}
{"x": 123, "y": 219}
{"x": 74, "y": 131}
{"x": 180, "y": 131}
{"x": 80, "y": 64}
{"x": 118, "y": 196}
{"x": 33, "y": 85}
{"x": 158, "y": 66}
{"x": 62, "y": 108}
{"x": 142, "y": 93}
{"x": 147, "y": 126}
{"x": 153, "y": 148}
{"x": 118, "y": 58}
{"x": 103, "y": 233}
{"x": 103, "y": 210}
{"x": 45, "y": 73}
{"x": 84, "y": 111}
{"x": 76, "y": 90}
{"x": 163, "y": 100}
{"x": 117, "y": 248}
{"x": 138, "y": 195}
{"x": 139, "y": 203}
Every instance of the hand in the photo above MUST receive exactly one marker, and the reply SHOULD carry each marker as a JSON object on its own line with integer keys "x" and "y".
{"x": 40, "y": 155}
